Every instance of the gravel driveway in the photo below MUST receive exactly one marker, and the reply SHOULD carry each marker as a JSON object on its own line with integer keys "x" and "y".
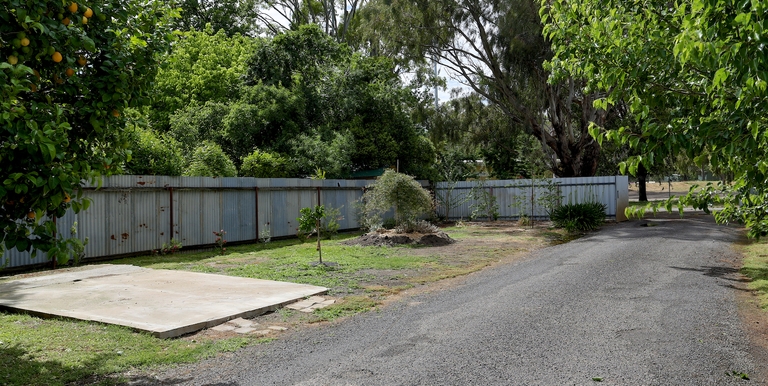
{"x": 631, "y": 304}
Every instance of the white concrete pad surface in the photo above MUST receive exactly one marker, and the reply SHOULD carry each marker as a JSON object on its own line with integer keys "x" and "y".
{"x": 164, "y": 302}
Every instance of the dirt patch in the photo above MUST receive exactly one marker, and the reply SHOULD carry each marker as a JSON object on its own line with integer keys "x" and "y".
{"x": 391, "y": 239}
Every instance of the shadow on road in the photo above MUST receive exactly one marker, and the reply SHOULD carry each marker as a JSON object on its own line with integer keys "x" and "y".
{"x": 725, "y": 273}
{"x": 692, "y": 227}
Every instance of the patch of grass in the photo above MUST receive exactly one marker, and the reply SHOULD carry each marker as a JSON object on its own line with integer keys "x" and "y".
{"x": 756, "y": 268}
{"x": 289, "y": 260}
{"x": 349, "y": 306}
{"x": 36, "y": 351}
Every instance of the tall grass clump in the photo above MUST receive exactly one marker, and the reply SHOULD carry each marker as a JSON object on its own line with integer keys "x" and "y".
{"x": 579, "y": 217}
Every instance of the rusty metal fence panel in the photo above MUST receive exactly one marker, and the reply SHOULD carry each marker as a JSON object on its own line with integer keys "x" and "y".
{"x": 514, "y": 197}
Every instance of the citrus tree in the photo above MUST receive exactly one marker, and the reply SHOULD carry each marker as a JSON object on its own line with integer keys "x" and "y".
{"x": 67, "y": 71}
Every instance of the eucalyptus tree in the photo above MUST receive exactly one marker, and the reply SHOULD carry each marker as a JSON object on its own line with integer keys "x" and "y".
{"x": 335, "y": 17}
{"x": 496, "y": 48}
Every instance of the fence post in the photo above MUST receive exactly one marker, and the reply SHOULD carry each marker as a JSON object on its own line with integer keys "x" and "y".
{"x": 54, "y": 237}
{"x": 256, "y": 191}
{"x": 170, "y": 189}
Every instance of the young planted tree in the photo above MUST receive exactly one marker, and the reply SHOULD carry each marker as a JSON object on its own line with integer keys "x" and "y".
{"x": 68, "y": 70}
{"x": 310, "y": 222}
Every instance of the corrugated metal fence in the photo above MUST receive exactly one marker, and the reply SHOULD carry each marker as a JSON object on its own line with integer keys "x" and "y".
{"x": 514, "y": 197}
{"x": 137, "y": 214}
{"x": 134, "y": 214}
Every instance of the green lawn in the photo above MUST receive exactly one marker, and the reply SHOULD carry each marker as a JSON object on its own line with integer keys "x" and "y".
{"x": 756, "y": 268}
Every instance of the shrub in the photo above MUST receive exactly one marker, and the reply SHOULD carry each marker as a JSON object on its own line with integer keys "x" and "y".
{"x": 154, "y": 154}
{"x": 262, "y": 164}
{"x": 208, "y": 160}
{"x": 484, "y": 203}
{"x": 329, "y": 224}
{"x": 420, "y": 226}
{"x": 394, "y": 191}
{"x": 579, "y": 217}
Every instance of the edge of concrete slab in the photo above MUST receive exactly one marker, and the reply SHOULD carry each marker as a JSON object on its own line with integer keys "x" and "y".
{"x": 169, "y": 333}
{"x": 159, "y": 331}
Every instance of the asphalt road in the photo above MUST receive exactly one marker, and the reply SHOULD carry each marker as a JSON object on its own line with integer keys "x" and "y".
{"x": 630, "y": 304}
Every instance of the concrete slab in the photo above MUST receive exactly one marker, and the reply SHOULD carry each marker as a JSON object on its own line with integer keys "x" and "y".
{"x": 163, "y": 302}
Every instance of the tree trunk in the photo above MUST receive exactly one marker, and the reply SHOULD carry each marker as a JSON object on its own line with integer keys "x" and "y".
{"x": 568, "y": 134}
{"x": 642, "y": 175}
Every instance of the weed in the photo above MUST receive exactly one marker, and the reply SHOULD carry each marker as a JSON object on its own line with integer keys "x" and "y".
{"x": 265, "y": 235}
{"x": 168, "y": 248}
{"x": 737, "y": 374}
{"x": 350, "y": 305}
{"x": 221, "y": 244}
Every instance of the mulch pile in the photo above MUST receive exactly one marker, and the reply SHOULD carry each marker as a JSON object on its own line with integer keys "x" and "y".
{"x": 391, "y": 239}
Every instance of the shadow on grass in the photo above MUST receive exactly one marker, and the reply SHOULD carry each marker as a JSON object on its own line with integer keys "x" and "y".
{"x": 17, "y": 368}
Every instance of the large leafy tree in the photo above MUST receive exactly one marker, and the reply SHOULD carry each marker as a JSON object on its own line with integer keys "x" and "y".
{"x": 694, "y": 74}
{"x": 351, "y": 112}
{"x": 482, "y": 130}
{"x": 496, "y": 48}
{"x": 231, "y": 16}
{"x": 205, "y": 66}
{"x": 68, "y": 71}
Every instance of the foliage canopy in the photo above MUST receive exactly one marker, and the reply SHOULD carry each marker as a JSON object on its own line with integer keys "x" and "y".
{"x": 398, "y": 192}
{"x": 700, "y": 88}
{"x": 68, "y": 72}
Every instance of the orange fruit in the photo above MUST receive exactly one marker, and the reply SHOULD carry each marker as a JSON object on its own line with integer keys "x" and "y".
{"x": 70, "y": 72}
{"x": 73, "y": 7}
{"x": 88, "y": 13}
{"x": 56, "y": 56}
{"x": 24, "y": 42}
{"x": 81, "y": 61}
{"x": 31, "y": 215}
{"x": 115, "y": 113}
{"x": 66, "y": 197}
{"x": 13, "y": 60}
{"x": 85, "y": 20}
{"x": 66, "y": 21}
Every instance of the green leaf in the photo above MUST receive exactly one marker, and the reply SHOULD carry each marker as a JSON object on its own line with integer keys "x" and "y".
{"x": 22, "y": 245}
{"x": 720, "y": 76}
